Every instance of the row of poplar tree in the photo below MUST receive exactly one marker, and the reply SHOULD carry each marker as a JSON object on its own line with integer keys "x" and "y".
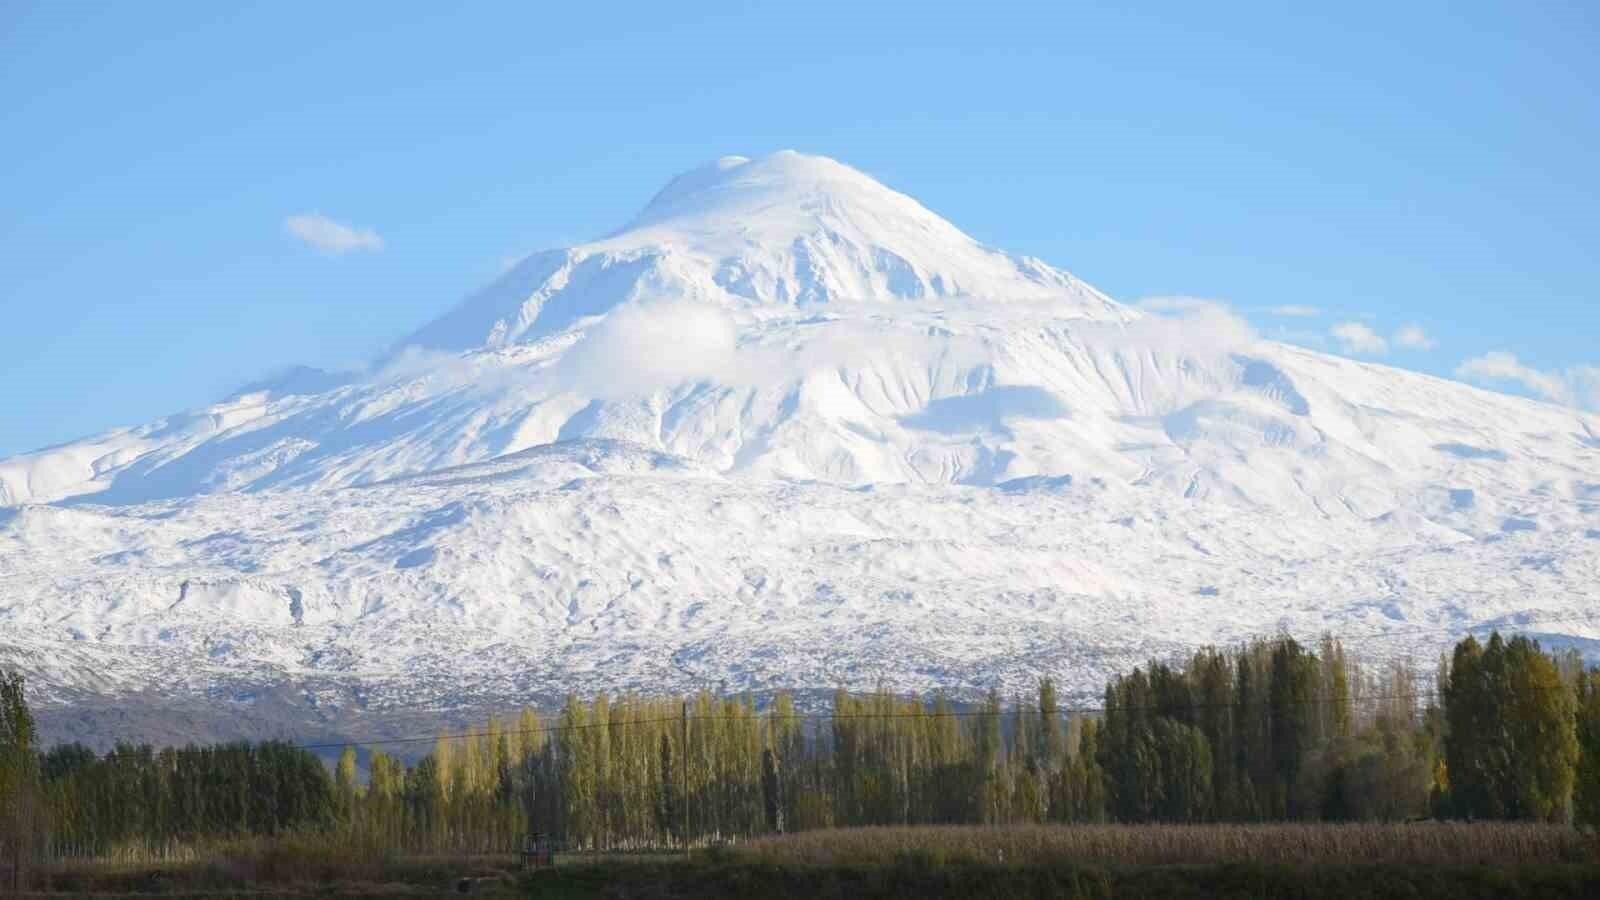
{"x": 1272, "y": 730}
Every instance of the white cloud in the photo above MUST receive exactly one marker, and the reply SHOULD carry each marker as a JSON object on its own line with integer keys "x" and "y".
{"x": 329, "y": 236}
{"x": 1295, "y": 311}
{"x": 1414, "y": 337}
{"x": 643, "y": 347}
{"x": 1357, "y": 339}
{"x": 1182, "y": 325}
{"x": 1576, "y": 386}
{"x": 637, "y": 349}
{"x": 1305, "y": 337}
{"x": 1178, "y": 303}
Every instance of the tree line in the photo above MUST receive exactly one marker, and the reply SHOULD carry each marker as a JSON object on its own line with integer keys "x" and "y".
{"x": 1266, "y": 731}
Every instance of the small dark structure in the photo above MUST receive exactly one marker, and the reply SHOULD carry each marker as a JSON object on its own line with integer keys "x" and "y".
{"x": 538, "y": 851}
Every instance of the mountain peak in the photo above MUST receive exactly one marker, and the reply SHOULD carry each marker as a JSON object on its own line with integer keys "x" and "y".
{"x": 783, "y": 182}
{"x": 784, "y": 230}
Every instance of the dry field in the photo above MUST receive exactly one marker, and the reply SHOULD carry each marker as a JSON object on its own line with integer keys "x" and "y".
{"x": 1437, "y": 861}
{"x": 1431, "y": 843}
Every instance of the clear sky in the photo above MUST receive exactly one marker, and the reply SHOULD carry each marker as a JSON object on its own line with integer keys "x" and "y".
{"x": 1381, "y": 166}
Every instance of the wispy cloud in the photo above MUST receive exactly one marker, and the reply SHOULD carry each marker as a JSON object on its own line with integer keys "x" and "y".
{"x": 1414, "y": 337}
{"x": 1295, "y": 311}
{"x": 646, "y": 346}
{"x": 643, "y": 347}
{"x": 1181, "y": 324}
{"x": 1576, "y": 386}
{"x": 1357, "y": 339}
{"x": 638, "y": 349}
{"x": 1167, "y": 304}
{"x": 1305, "y": 337}
{"x": 329, "y": 236}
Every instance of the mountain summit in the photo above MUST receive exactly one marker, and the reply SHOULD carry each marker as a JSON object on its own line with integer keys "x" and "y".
{"x": 786, "y": 230}
{"x": 787, "y": 427}
{"x": 774, "y": 196}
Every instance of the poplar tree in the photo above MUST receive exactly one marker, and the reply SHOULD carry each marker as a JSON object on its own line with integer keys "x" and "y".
{"x": 1291, "y": 698}
{"x": 1184, "y": 772}
{"x": 1214, "y": 716}
{"x": 1586, "y": 796}
{"x": 772, "y": 791}
{"x": 345, "y": 786}
{"x": 989, "y": 757}
{"x": 1252, "y": 734}
{"x": 1511, "y": 745}
{"x": 1052, "y": 747}
{"x": 383, "y": 798}
{"x": 20, "y": 814}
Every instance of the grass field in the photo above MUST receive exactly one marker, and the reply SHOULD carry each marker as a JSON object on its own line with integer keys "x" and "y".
{"x": 1447, "y": 861}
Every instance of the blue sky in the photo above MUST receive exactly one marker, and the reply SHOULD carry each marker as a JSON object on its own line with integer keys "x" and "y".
{"x": 1385, "y": 166}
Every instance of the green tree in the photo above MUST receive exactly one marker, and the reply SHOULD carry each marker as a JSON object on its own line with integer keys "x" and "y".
{"x": 1291, "y": 699}
{"x": 1127, "y": 751}
{"x": 1092, "y": 798}
{"x": 1185, "y": 766}
{"x": 1586, "y": 795}
{"x": 1469, "y": 709}
{"x": 21, "y": 819}
{"x": 1511, "y": 745}
{"x": 1212, "y": 676}
{"x": 990, "y": 754}
{"x": 1051, "y": 748}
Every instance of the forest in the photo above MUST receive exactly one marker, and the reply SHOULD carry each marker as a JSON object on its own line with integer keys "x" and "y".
{"x": 1269, "y": 731}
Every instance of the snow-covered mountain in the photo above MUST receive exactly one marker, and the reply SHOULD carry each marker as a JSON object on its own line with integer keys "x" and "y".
{"x": 788, "y": 427}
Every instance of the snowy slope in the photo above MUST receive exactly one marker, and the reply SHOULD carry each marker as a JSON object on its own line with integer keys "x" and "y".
{"x": 790, "y": 427}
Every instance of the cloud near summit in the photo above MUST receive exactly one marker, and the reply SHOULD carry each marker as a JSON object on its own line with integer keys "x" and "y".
{"x": 1356, "y": 339}
{"x": 1182, "y": 324}
{"x": 1295, "y": 311}
{"x": 1414, "y": 337}
{"x": 657, "y": 344}
{"x": 1576, "y": 386}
